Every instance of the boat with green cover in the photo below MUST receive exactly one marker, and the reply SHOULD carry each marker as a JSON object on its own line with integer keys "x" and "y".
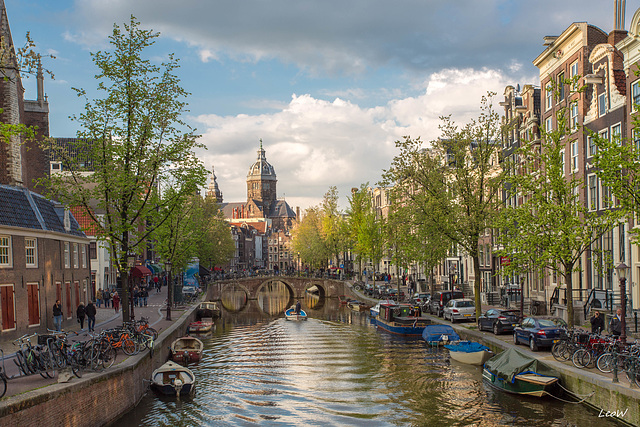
{"x": 515, "y": 372}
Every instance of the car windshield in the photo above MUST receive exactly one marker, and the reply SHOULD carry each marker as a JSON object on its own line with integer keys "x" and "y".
{"x": 464, "y": 304}
{"x": 545, "y": 323}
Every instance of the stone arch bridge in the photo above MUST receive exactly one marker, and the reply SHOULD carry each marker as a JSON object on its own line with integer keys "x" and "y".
{"x": 297, "y": 286}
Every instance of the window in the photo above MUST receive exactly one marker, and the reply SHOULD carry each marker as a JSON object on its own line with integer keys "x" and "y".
{"x": 607, "y": 197}
{"x": 574, "y": 116}
{"x": 549, "y": 96}
{"x": 635, "y": 93}
{"x": 602, "y": 104}
{"x": 67, "y": 255}
{"x": 548, "y": 124}
{"x": 591, "y": 143}
{"x": 574, "y": 155}
{"x": 93, "y": 250}
{"x": 604, "y": 134}
{"x": 6, "y": 258}
{"x": 616, "y": 134}
{"x": 574, "y": 73}
{"x": 593, "y": 188}
{"x": 560, "y": 87}
{"x": 7, "y": 301}
{"x": 83, "y": 256}
{"x": 75, "y": 255}
{"x": 563, "y": 162}
{"x": 623, "y": 252}
{"x": 31, "y": 252}
{"x": 636, "y": 144}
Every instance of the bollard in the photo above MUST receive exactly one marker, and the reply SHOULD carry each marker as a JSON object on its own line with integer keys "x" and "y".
{"x": 615, "y": 364}
{"x": 635, "y": 320}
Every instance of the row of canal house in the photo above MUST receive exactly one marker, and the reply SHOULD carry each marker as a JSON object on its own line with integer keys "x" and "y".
{"x": 43, "y": 252}
{"x": 606, "y": 64}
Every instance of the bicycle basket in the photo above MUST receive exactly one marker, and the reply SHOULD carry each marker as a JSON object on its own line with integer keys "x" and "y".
{"x": 583, "y": 338}
{"x": 42, "y": 339}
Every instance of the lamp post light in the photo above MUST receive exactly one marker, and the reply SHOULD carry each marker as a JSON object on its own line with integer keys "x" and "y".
{"x": 131, "y": 262}
{"x": 167, "y": 267}
{"x": 622, "y": 275}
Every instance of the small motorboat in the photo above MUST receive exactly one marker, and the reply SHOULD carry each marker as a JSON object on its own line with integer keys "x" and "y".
{"x": 208, "y": 309}
{"x": 375, "y": 310}
{"x": 515, "y": 372}
{"x": 172, "y": 379}
{"x": 201, "y": 326}
{"x": 186, "y": 350}
{"x": 471, "y": 353}
{"x": 344, "y": 299}
{"x": 357, "y": 305}
{"x": 439, "y": 334}
{"x": 291, "y": 314}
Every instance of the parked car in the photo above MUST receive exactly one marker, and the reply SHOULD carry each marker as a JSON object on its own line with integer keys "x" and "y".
{"x": 459, "y": 309}
{"x": 419, "y": 298}
{"x": 537, "y": 332}
{"x": 392, "y": 293}
{"x": 441, "y": 298}
{"x": 498, "y": 320}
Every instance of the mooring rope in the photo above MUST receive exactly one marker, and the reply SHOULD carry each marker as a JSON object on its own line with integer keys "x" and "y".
{"x": 582, "y": 398}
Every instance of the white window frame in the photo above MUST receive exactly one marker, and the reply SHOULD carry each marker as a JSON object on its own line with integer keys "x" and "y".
{"x": 548, "y": 97}
{"x": 602, "y": 104}
{"x": 6, "y": 251}
{"x": 67, "y": 255}
{"x": 574, "y": 155}
{"x": 31, "y": 252}
{"x": 83, "y": 255}
{"x": 574, "y": 116}
{"x": 592, "y": 148}
{"x": 564, "y": 162}
{"x": 574, "y": 71}
{"x": 75, "y": 256}
{"x": 561, "y": 89}
{"x": 548, "y": 124}
{"x": 616, "y": 133}
{"x": 635, "y": 95}
{"x": 592, "y": 192}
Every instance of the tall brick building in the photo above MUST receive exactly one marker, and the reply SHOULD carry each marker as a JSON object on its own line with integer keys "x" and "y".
{"x": 43, "y": 252}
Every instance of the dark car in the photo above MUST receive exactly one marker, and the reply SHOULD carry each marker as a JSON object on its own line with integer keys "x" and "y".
{"x": 498, "y": 320}
{"x": 441, "y": 298}
{"x": 537, "y": 332}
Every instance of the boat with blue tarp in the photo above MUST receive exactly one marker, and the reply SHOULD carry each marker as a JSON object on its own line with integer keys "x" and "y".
{"x": 291, "y": 314}
{"x": 515, "y": 372}
{"x": 401, "y": 319}
{"x": 439, "y": 334}
{"x": 469, "y": 352}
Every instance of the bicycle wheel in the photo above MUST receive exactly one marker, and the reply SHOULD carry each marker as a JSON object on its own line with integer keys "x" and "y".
{"x": 21, "y": 363}
{"x": 151, "y": 331}
{"x": 605, "y": 363}
{"x": 558, "y": 349}
{"x": 3, "y": 384}
{"x": 129, "y": 347}
{"x": 46, "y": 365}
{"x": 108, "y": 357}
{"x": 581, "y": 358}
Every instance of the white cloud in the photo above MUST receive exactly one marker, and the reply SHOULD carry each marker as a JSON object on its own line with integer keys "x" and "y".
{"x": 314, "y": 144}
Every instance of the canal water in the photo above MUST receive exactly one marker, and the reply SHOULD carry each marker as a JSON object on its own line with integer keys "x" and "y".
{"x": 336, "y": 369}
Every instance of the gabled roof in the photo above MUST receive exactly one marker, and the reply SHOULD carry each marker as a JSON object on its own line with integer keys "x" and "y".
{"x": 19, "y": 207}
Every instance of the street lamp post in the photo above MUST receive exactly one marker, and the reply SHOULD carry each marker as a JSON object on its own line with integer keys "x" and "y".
{"x": 131, "y": 262}
{"x": 167, "y": 267}
{"x": 622, "y": 275}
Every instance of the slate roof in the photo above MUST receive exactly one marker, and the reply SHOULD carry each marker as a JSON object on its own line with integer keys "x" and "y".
{"x": 22, "y": 208}
{"x": 281, "y": 209}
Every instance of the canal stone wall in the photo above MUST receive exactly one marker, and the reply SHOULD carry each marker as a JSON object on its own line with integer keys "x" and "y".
{"x": 96, "y": 399}
{"x": 328, "y": 288}
{"x": 599, "y": 391}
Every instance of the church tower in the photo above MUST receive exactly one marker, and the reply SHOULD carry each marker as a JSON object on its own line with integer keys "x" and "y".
{"x": 261, "y": 181}
{"x": 214, "y": 191}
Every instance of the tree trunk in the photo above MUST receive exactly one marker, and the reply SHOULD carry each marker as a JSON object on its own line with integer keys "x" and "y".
{"x": 476, "y": 285}
{"x": 568, "y": 278}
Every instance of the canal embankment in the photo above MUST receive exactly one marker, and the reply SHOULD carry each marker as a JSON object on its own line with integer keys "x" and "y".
{"x": 96, "y": 399}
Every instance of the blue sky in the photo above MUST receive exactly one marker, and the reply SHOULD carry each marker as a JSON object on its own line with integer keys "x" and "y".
{"x": 328, "y": 85}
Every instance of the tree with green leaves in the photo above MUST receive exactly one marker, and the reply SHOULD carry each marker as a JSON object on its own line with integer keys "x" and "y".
{"x": 552, "y": 228}
{"x": 455, "y": 183}
{"x": 308, "y": 240}
{"x": 132, "y": 138}
{"x": 216, "y": 244}
{"x": 332, "y": 224}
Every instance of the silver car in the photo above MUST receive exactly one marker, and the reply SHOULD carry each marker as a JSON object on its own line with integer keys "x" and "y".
{"x": 460, "y": 309}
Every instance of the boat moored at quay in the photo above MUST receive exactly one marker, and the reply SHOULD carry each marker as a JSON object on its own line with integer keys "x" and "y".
{"x": 401, "y": 319}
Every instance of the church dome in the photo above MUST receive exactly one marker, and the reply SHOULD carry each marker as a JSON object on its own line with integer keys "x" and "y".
{"x": 261, "y": 169}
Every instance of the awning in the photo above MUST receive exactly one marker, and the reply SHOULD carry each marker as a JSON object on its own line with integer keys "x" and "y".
{"x": 140, "y": 271}
{"x": 204, "y": 272}
{"x": 154, "y": 268}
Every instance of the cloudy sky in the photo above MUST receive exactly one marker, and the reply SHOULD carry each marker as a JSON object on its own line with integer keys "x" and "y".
{"x": 328, "y": 85}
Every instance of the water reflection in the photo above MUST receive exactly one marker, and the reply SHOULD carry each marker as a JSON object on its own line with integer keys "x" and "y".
{"x": 337, "y": 369}
{"x": 274, "y": 297}
{"x": 234, "y": 297}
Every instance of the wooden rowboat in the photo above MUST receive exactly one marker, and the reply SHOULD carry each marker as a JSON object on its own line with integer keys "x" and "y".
{"x": 186, "y": 350}
{"x": 173, "y": 380}
{"x": 471, "y": 353}
{"x": 291, "y": 314}
{"x": 516, "y": 372}
{"x": 201, "y": 326}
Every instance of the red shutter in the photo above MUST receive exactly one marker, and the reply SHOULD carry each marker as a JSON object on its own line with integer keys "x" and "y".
{"x": 68, "y": 292}
{"x": 8, "y": 314}
{"x": 77, "y": 286}
{"x": 34, "y": 304}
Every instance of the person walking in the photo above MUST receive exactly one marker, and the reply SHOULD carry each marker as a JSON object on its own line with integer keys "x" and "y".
{"x": 80, "y": 314}
{"x": 597, "y": 323}
{"x": 116, "y": 301}
{"x": 145, "y": 297}
{"x": 90, "y": 311}
{"x": 616, "y": 323}
{"x": 57, "y": 315}
{"x": 106, "y": 296}
{"x": 99, "y": 297}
